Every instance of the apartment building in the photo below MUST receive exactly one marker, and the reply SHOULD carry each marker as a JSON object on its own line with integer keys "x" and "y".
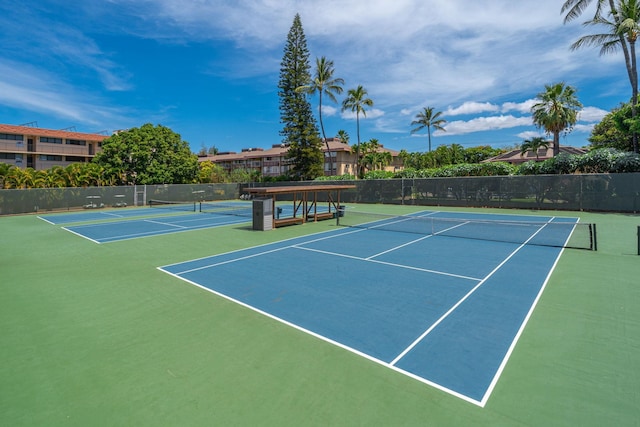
{"x": 37, "y": 148}
{"x": 273, "y": 162}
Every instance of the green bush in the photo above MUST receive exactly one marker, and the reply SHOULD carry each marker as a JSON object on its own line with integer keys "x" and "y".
{"x": 626, "y": 162}
{"x": 601, "y": 160}
{"x": 378, "y": 175}
{"x": 529, "y": 168}
{"x": 345, "y": 177}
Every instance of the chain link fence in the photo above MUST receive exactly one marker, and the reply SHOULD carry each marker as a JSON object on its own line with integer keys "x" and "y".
{"x": 586, "y": 192}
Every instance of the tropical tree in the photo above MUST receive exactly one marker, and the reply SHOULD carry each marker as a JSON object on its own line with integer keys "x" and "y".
{"x": 356, "y": 101}
{"x": 375, "y": 157}
{"x": 209, "y": 172}
{"x": 533, "y": 145}
{"x": 55, "y": 178}
{"x": 428, "y": 119}
{"x": 299, "y": 126}
{"x": 343, "y": 136}
{"x": 623, "y": 26}
{"x": 147, "y": 155}
{"x": 556, "y": 110}
{"x": 4, "y": 171}
{"x": 19, "y": 177}
{"x": 324, "y": 83}
{"x": 612, "y": 131}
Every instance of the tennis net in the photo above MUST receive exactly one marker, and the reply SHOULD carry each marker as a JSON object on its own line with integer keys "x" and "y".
{"x": 221, "y": 208}
{"x": 173, "y": 205}
{"x": 541, "y": 233}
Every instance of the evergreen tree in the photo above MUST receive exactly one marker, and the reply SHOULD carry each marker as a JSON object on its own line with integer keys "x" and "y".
{"x": 299, "y": 126}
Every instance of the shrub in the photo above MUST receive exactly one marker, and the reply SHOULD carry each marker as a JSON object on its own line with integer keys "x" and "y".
{"x": 529, "y": 168}
{"x": 378, "y": 175}
{"x": 601, "y": 160}
{"x": 626, "y": 162}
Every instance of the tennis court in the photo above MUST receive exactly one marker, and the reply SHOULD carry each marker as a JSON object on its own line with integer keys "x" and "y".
{"x": 443, "y": 306}
{"x": 374, "y": 323}
{"x": 166, "y": 218}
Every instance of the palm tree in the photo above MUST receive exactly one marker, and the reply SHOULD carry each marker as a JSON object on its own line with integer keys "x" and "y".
{"x": 428, "y": 119}
{"x": 4, "y": 172}
{"x": 623, "y": 22}
{"x": 324, "y": 83}
{"x": 343, "y": 136}
{"x": 355, "y": 101}
{"x": 19, "y": 178}
{"x": 533, "y": 145}
{"x": 556, "y": 111}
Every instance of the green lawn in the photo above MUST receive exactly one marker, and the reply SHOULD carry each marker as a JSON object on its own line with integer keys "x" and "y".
{"x": 96, "y": 335}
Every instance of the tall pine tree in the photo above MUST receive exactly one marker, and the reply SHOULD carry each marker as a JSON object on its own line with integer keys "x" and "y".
{"x": 300, "y": 130}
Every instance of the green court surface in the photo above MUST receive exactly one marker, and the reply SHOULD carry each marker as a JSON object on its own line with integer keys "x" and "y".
{"x": 97, "y": 335}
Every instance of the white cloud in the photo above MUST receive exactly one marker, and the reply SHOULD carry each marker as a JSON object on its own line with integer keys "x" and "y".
{"x": 329, "y": 111}
{"x": 481, "y": 124}
{"x": 531, "y": 134}
{"x": 472, "y": 107}
{"x": 592, "y": 114}
{"x": 583, "y": 128}
{"x": 521, "y": 107}
{"x": 373, "y": 113}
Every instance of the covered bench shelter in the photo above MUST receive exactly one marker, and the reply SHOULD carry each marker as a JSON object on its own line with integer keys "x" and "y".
{"x": 305, "y": 201}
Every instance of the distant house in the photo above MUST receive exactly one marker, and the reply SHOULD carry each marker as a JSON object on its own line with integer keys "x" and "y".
{"x": 516, "y": 157}
{"x": 273, "y": 161}
{"x": 38, "y": 148}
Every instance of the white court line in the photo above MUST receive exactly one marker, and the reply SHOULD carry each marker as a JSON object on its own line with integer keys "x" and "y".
{"x": 267, "y": 244}
{"x": 464, "y": 298}
{"x": 164, "y": 223}
{"x": 417, "y": 240}
{"x": 408, "y": 267}
{"x": 133, "y": 236}
{"x": 113, "y": 214}
{"x": 204, "y": 267}
{"x": 81, "y": 235}
{"x": 46, "y": 220}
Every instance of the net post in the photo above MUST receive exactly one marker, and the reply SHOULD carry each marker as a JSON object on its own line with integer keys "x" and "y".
{"x": 639, "y": 240}
{"x": 595, "y": 237}
{"x": 339, "y": 213}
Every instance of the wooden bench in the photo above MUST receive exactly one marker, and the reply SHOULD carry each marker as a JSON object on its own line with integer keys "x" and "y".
{"x": 320, "y": 216}
{"x": 287, "y": 221}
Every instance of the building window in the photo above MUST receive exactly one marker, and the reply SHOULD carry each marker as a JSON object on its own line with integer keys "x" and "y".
{"x": 50, "y": 158}
{"x": 76, "y": 142}
{"x": 74, "y": 159}
{"x": 11, "y": 137}
{"x": 51, "y": 140}
{"x": 7, "y": 156}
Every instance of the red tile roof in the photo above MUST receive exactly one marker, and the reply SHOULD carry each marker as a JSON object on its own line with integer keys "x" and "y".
{"x": 516, "y": 156}
{"x": 27, "y": 130}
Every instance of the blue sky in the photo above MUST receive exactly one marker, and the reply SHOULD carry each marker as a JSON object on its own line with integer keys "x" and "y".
{"x": 209, "y": 69}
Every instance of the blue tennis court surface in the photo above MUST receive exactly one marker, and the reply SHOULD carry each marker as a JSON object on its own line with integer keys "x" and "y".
{"x": 146, "y": 227}
{"x": 124, "y": 224}
{"x": 91, "y": 215}
{"x": 443, "y": 310}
